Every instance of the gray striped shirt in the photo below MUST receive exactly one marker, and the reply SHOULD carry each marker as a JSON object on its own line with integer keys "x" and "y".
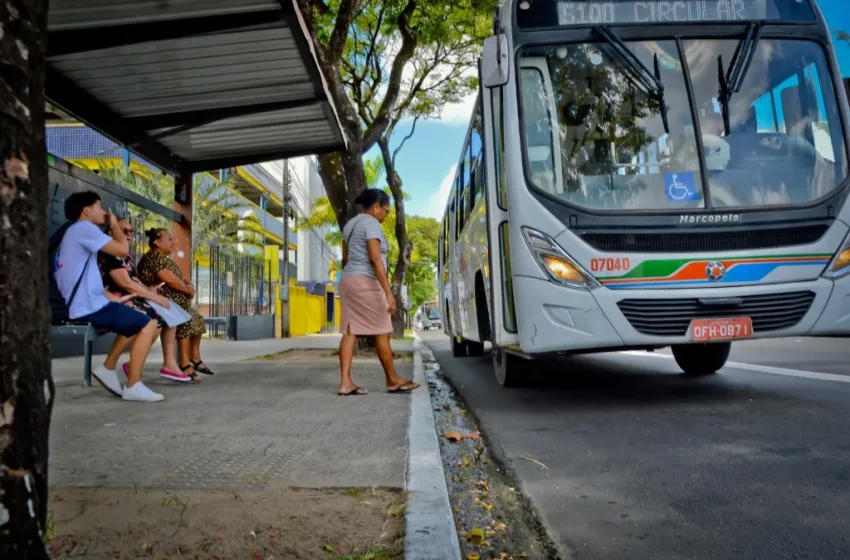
{"x": 356, "y": 233}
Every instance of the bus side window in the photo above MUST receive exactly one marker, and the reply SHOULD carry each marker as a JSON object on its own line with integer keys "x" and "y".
{"x": 473, "y": 176}
{"x": 476, "y": 148}
{"x": 466, "y": 187}
{"x": 459, "y": 203}
{"x": 446, "y": 232}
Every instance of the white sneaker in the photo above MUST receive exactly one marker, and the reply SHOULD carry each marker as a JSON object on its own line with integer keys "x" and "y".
{"x": 108, "y": 379}
{"x": 140, "y": 393}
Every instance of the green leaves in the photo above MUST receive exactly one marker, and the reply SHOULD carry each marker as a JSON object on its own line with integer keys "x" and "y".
{"x": 217, "y": 218}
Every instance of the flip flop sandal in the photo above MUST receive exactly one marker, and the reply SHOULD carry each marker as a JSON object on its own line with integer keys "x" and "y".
{"x": 406, "y": 388}
{"x": 193, "y": 376}
{"x": 355, "y": 392}
{"x": 205, "y": 370}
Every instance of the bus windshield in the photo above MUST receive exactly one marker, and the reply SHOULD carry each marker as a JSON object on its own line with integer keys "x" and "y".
{"x": 596, "y": 139}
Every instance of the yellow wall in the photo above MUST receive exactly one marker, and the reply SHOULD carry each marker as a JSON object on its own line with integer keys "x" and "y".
{"x": 306, "y": 312}
{"x": 337, "y": 312}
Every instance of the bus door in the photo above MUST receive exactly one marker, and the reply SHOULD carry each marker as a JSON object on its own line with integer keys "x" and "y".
{"x": 502, "y": 311}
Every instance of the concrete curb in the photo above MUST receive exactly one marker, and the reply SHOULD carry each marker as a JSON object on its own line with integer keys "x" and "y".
{"x": 430, "y": 533}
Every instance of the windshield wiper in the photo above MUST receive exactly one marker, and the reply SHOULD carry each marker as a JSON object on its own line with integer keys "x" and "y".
{"x": 650, "y": 81}
{"x": 732, "y": 79}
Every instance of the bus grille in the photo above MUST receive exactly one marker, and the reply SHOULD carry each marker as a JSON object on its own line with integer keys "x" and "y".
{"x": 672, "y": 317}
{"x": 705, "y": 241}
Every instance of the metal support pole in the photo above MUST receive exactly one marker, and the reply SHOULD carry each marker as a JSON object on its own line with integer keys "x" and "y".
{"x": 284, "y": 289}
{"x": 183, "y": 195}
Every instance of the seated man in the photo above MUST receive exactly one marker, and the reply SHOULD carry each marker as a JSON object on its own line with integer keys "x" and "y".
{"x": 78, "y": 279}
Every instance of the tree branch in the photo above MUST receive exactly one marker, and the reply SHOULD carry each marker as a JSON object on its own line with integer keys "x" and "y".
{"x": 344, "y": 18}
{"x": 404, "y": 140}
{"x": 320, "y": 7}
{"x": 405, "y": 53}
{"x": 373, "y": 39}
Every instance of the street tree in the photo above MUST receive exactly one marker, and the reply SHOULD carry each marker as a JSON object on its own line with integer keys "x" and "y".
{"x": 26, "y": 386}
{"x": 389, "y": 63}
{"x": 424, "y": 235}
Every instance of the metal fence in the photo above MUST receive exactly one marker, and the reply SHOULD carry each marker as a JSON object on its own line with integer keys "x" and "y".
{"x": 232, "y": 284}
{"x": 139, "y": 241}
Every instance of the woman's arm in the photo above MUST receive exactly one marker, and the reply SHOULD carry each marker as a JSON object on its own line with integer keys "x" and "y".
{"x": 117, "y": 299}
{"x": 377, "y": 260}
{"x": 344, "y": 254}
{"x": 122, "y": 279}
{"x": 173, "y": 282}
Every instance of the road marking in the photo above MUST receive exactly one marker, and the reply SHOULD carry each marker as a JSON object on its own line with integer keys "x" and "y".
{"x": 760, "y": 369}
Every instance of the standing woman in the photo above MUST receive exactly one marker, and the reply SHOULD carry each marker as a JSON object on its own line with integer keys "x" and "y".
{"x": 156, "y": 267}
{"x": 367, "y": 299}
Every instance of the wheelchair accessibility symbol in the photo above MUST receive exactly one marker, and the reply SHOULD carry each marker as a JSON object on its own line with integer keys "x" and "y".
{"x": 680, "y": 187}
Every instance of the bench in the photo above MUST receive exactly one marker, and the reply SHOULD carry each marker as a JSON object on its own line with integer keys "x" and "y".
{"x": 90, "y": 334}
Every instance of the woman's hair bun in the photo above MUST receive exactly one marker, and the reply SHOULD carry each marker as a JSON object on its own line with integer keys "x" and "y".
{"x": 370, "y": 197}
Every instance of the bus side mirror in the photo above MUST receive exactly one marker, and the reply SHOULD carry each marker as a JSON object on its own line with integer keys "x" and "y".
{"x": 494, "y": 61}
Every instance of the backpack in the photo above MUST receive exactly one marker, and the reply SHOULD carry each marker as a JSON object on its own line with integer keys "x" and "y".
{"x": 59, "y": 308}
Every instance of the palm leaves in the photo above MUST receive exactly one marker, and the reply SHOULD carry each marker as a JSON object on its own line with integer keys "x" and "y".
{"x": 217, "y": 215}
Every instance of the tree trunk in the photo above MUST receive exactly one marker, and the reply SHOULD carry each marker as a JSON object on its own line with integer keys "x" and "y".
{"x": 26, "y": 387}
{"x": 404, "y": 249}
{"x": 344, "y": 179}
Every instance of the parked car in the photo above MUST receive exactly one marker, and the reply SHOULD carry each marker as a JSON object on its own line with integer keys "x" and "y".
{"x": 427, "y": 318}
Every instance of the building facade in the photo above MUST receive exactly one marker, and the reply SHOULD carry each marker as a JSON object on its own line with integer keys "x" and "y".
{"x": 258, "y": 190}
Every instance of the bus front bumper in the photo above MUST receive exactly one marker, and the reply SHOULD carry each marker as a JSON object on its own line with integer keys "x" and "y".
{"x": 569, "y": 320}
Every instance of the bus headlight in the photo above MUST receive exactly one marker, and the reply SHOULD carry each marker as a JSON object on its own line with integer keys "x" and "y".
{"x": 840, "y": 265}
{"x": 555, "y": 262}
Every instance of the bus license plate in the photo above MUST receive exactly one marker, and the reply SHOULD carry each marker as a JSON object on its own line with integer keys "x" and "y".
{"x": 721, "y": 329}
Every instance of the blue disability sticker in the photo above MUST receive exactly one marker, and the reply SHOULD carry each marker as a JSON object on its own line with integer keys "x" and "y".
{"x": 680, "y": 187}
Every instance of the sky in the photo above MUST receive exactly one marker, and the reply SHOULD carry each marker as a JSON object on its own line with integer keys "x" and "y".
{"x": 428, "y": 161}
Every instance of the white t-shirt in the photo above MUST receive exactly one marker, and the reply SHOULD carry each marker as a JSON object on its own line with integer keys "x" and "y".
{"x": 80, "y": 244}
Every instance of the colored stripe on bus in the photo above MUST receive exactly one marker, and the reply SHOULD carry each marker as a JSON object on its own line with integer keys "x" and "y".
{"x": 694, "y": 273}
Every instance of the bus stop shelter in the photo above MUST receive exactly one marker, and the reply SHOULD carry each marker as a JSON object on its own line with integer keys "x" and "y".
{"x": 192, "y": 85}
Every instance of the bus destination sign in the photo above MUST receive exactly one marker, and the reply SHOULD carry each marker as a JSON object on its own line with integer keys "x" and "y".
{"x": 548, "y": 13}
{"x": 658, "y": 11}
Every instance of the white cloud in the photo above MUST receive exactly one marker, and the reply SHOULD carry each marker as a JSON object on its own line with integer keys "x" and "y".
{"x": 437, "y": 204}
{"x": 459, "y": 113}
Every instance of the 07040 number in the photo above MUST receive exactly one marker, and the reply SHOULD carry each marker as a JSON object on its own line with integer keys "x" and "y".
{"x": 610, "y": 265}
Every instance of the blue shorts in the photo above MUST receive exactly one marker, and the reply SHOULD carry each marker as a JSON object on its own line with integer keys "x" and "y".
{"x": 118, "y": 318}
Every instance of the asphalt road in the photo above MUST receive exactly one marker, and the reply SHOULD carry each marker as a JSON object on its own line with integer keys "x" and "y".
{"x": 645, "y": 463}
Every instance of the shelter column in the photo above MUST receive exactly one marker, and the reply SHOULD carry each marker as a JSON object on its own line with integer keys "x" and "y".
{"x": 183, "y": 231}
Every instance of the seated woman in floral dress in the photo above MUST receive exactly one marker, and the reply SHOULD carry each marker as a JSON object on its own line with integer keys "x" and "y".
{"x": 157, "y": 267}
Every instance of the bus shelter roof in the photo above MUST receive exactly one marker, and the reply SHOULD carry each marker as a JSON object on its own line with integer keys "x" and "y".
{"x": 192, "y": 85}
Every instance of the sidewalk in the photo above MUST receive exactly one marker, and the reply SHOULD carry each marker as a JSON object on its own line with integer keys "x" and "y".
{"x": 214, "y": 464}
{"x": 214, "y": 352}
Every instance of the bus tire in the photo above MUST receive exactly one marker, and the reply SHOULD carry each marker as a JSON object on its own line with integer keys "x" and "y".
{"x": 701, "y": 359}
{"x": 459, "y": 347}
{"x": 507, "y": 367}
{"x": 476, "y": 349}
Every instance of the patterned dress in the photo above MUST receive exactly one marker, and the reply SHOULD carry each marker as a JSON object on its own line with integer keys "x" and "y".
{"x": 149, "y": 266}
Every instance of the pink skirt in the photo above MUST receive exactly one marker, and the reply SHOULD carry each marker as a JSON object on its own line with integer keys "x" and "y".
{"x": 364, "y": 307}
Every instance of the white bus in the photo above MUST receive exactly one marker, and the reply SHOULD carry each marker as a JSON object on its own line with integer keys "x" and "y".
{"x": 645, "y": 174}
